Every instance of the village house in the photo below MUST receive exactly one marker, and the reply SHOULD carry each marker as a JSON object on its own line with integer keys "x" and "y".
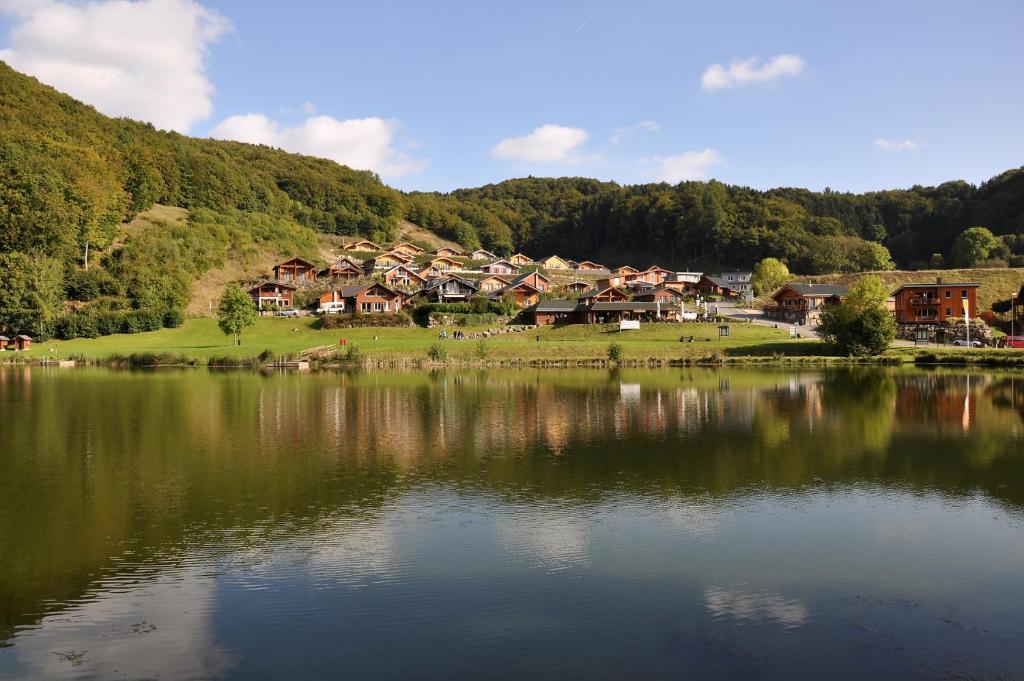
{"x": 935, "y": 303}
{"x": 715, "y": 286}
{"x": 524, "y": 293}
{"x": 803, "y": 303}
{"x": 534, "y": 279}
{"x": 664, "y": 295}
{"x": 367, "y": 298}
{"x": 446, "y": 252}
{"x": 272, "y": 295}
{"x": 408, "y": 248}
{"x": 653, "y": 275}
{"x": 4, "y": 342}
{"x": 481, "y": 254}
{"x": 553, "y": 262}
{"x": 577, "y": 287}
{"x": 296, "y": 270}
{"x": 493, "y": 282}
{"x": 403, "y": 276}
{"x": 343, "y": 269}
{"x": 547, "y": 312}
{"x": 608, "y": 294}
{"x": 446, "y": 265}
{"x": 738, "y": 281}
{"x": 450, "y": 289}
{"x": 499, "y": 267}
{"x": 520, "y": 259}
{"x": 624, "y": 271}
{"x": 22, "y": 342}
{"x": 589, "y": 266}
{"x": 363, "y": 245}
{"x": 684, "y": 282}
{"x": 613, "y": 312}
{"x": 386, "y": 261}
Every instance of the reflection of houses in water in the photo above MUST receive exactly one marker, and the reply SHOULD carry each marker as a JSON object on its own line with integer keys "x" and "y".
{"x": 948, "y": 401}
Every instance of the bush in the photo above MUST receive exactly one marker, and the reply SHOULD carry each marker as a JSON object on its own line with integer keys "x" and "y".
{"x": 353, "y": 353}
{"x": 87, "y": 285}
{"x": 615, "y": 352}
{"x": 173, "y": 319}
{"x": 437, "y": 353}
{"x": 357, "y": 321}
{"x": 481, "y": 349}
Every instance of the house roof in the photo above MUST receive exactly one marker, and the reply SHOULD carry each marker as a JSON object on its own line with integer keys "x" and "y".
{"x": 558, "y": 306}
{"x": 360, "y": 242}
{"x": 356, "y": 289}
{"x": 408, "y": 244}
{"x": 4, "y": 338}
{"x": 525, "y": 275}
{"x": 521, "y": 255}
{"x": 482, "y": 251}
{"x": 23, "y": 337}
{"x": 625, "y": 269}
{"x": 815, "y": 290}
{"x": 434, "y": 283}
{"x": 663, "y": 289}
{"x": 720, "y": 283}
{"x": 500, "y": 262}
{"x": 598, "y": 291}
{"x": 260, "y": 285}
{"x": 943, "y": 284}
{"x": 297, "y": 261}
{"x": 499, "y": 277}
{"x": 624, "y": 307}
{"x": 589, "y": 265}
{"x": 408, "y": 270}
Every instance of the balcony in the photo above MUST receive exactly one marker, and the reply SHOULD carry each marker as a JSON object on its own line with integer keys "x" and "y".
{"x": 925, "y": 301}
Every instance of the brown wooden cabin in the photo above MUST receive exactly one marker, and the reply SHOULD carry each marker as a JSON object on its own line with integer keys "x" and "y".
{"x": 577, "y": 287}
{"x": 344, "y": 269}
{"x": 271, "y": 293}
{"x": 935, "y": 303}
{"x": 665, "y": 295}
{"x": 589, "y": 266}
{"x": 525, "y": 293}
{"x": 4, "y": 342}
{"x": 624, "y": 270}
{"x": 295, "y": 270}
{"x": 520, "y": 259}
{"x": 446, "y": 252}
{"x": 363, "y": 245}
{"x": 403, "y": 276}
{"x": 653, "y": 275}
{"x": 482, "y": 254}
{"x": 534, "y": 279}
{"x": 499, "y": 267}
{"x": 713, "y": 286}
{"x": 804, "y": 303}
{"x": 547, "y": 312}
{"x": 446, "y": 265}
{"x": 450, "y": 289}
{"x": 367, "y": 298}
{"x": 386, "y": 261}
{"x": 493, "y": 282}
{"x": 22, "y": 342}
{"x": 408, "y": 248}
{"x": 608, "y": 294}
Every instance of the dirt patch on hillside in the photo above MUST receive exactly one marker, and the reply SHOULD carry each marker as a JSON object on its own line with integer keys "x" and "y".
{"x": 408, "y": 231}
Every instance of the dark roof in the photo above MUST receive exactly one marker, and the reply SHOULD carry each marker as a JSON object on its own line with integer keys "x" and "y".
{"x": 624, "y": 307}
{"x": 597, "y": 291}
{"x": 816, "y": 290}
{"x": 677, "y": 293}
{"x": 350, "y": 291}
{"x": 721, "y": 283}
{"x": 934, "y": 284}
{"x": 23, "y": 337}
{"x": 261, "y": 284}
{"x": 526, "y": 275}
{"x": 558, "y": 306}
{"x": 434, "y": 283}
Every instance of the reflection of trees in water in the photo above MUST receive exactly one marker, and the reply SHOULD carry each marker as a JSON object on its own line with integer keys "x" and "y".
{"x": 96, "y": 461}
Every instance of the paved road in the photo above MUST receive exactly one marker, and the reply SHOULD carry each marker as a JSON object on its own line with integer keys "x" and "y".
{"x": 736, "y": 311}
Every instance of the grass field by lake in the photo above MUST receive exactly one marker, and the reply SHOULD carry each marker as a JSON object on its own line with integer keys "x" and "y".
{"x": 201, "y": 339}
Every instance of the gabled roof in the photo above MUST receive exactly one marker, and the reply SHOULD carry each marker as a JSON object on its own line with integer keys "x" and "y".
{"x": 447, "y": 249}
{"x": 4, "y": 338}
{"x": 554, "y": 257}
{"x": 663, "y": 289}
{"x": 598, "y": 291}
{"x": 407, "y": 269}
{"x": 483, "y": 251}
{"x": 410, "y": 246}
{"x": 520, "y": 255}
{"x": 943, "y": 284}
{"x": 525, "y": 275}
{"x": 296, "y": 261}
{"x": 500, "y": 277}
{"x": 271, "y": 283}
{"x": 625, "y": 269}
{"x": 356, "y": 289}
{"x": 558, "y": 306}
{"x": 590, "y": 265}
{"x": 500, "y": 262}
{"x": 521, "y": 284}
{"x": 434, "y": 283}
{"x": 23, "y": 337}
{"x": 814, "y": 290}
{"x": 720, "y": 283}
{"x": 352, "y": 245}
{"x": 345, "y": 260}
{"x": 443, "y": 258}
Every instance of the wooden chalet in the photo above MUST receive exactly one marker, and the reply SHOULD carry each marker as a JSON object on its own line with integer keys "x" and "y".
{"x": 609, "y": 313}
{"x": 446, "y": 265}
{"x": 935, "y": 303}
{"x": 408, "y": 248}
{"x": 653, "y": 275}
{"x": 524, "y": 293}
{"x": 589, "y": 266}
{"x": 296, "y": 270}
{"x": 272, "y": 294}
{"x": 499, "y": 267}
{"x": 493, "y": 282}
{"x": 554, "y": 262}
{"x": 445, "y": 252}
{"x": 624, "y": 270}
{"x": 714, "y": 286}
{"x": 609, "y": 294}
{"x": 664, "y": 294}
{"x": 577, "y": 287}
{"x": 547, "y": 312}
{"x": 343, "y": 269}
{"x": 534, "y": 279}
{"x": 367, "y": 298}
{"x": 363, "y": 245}
{"x": 403, "y": 276}
{"x": 22, "y": 342}
{"x": 803, "y": 303}
{"x": 450, "y": 289}
{"x": 482, "y": 254}
{"x": 520, "y": 259}
{"x": 4, "y": 342}
{"x": 386, "y": 261}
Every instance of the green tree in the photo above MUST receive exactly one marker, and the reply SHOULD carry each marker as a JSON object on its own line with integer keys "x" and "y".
{"x": 236, "y": 312}
{"x": 32, "y": 292}
{"x": 974, "y": 246}
{"x": 861, "y": 324}
{"x": 769, "y": 274}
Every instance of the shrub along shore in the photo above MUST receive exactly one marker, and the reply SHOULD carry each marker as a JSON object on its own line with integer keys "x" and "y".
{"x": 198, "y": 342}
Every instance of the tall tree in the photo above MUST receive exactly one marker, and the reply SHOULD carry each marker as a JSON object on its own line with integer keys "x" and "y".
{"x": 974, "y": 246}
{"x": 236, "y": 313}
{"x": 769, "y": 274}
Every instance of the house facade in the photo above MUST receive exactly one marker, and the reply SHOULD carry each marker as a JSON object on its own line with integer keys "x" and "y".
{"x": 272, "y": 294}
{"x": 368, "y": 299}
{"x": 534, "y": 279}
{"x": 403, "y": 276}
{"x": 481, "y": 254}
{"x": 446, "y": 265}
{"x": 935, "y": 303}
{"x": 554, "y": 262}
{"x": 664, "y": 295}
{"x": 609, "y": 294}
{"x": 803, "y": 303}
{"x": 386, "y": 261}
{"x": 715, "y": 286}
{"x": 499, "y": 267}
{"x": 450, "y": 289}
{"x": 408, "y": 248}
{"x": 493, "y": 283}
{"x": 446, "y": 252}
{"x": 363, "y": 245}
{"x": 520, "y": 259}
{"x": 590, "y": 266}
{"x": 296, "y": 270}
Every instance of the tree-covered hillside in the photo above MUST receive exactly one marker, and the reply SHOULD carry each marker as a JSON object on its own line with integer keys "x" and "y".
{"x": 71, "y": 178}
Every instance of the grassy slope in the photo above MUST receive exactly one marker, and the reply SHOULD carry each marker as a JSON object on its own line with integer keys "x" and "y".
{"x": 996, "y": 283}
{"x": 200, "y": 338}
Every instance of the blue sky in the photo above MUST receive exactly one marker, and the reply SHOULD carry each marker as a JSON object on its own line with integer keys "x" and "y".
{"x": 439, "y": 95}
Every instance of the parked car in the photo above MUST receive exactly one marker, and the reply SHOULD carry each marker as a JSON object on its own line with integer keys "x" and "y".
{"x": 331, "y": 308}
{"x": 962, "y": 342}
{"x": 288, "y": 313}
{"x": 1014, "y": 342}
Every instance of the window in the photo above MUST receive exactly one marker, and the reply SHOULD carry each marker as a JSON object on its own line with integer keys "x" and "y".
{"x": 949, "y": 294}
{"x": 949, "y": 312}
{"x": 963, "y": 293}
{"x": 364, "y": 307}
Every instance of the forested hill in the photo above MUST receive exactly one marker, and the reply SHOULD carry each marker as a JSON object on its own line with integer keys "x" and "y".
{"x": 70, "y": 178}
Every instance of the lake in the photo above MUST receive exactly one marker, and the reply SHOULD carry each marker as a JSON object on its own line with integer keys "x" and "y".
{"x": 697, "y": 523}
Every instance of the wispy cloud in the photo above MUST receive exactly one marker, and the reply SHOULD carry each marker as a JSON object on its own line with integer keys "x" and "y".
{"x": 743, "y": 72}
{"x": 621, "y": 134}
{"x": 361, "y": 143}
{"x": 145, "y": 59}
{"x": 897, "y": 145}
{"x": 546, "y": 144}
{"x": 689, "y": 165}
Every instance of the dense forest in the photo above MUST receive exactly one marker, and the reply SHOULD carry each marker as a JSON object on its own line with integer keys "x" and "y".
{"x": 70, "y": 177}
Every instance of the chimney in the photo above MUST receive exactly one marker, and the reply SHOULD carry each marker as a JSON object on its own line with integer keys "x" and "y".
{"x": 938, "y": 280}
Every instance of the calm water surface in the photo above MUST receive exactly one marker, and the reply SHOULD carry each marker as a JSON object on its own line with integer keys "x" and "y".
{"x": 847, "y": 524}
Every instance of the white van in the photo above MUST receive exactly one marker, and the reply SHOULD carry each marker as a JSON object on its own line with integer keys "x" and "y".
{"x": 333, "y": 307}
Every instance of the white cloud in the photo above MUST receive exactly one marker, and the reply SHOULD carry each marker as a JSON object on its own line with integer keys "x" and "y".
{"x": 621, "y": 134}
{"x": 689, "y": 165}
{"x": 741, "y": 72}
{"x": 897, "y": 145}
{"x": 546, "y": 144}
{"x": 144, "y": 60}
{"x": 361, "y": 143}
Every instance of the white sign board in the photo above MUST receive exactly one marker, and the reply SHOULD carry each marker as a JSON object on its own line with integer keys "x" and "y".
{"x": 688, "y": 316}
{"x": 629, "y": 325}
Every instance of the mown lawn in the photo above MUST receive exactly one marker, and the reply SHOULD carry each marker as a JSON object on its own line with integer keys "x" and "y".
{"x": 200, "y": 338}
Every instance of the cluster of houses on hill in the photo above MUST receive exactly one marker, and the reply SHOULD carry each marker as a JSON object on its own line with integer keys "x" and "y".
{"x": 392, "y": 278}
